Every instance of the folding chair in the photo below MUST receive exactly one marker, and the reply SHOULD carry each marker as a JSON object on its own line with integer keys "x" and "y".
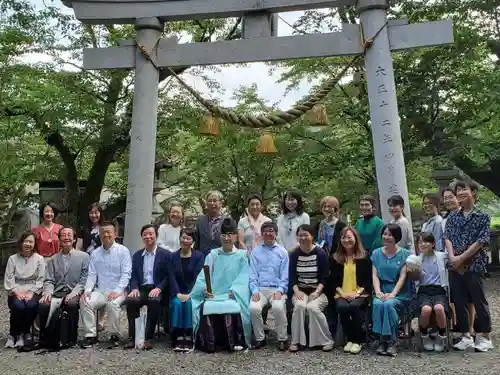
{"x": 449, "y": 324}
{"x": 367, "y": 315}
{"x": 407, "y": 314}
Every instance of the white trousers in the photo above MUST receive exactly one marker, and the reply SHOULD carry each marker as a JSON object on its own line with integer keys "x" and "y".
{"x": 97, "y": 300}
{"x": 279, "y": 312}
{"x": 319, "y": 333}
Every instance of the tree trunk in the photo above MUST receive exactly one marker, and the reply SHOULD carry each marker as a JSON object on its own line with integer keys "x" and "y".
{"x": 487, "y": 177}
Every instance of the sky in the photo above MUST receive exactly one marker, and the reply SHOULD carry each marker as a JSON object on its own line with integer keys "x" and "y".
{"x": 231, "y": 78}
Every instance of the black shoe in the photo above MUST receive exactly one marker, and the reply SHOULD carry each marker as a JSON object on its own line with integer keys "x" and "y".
{"x": 259, "y": 344}
{"x": 88, "y": 342}
{"x": 114, "y": 341}
{"x": 188, "y": 344}
{"x": 382, "y": 348}
{"x": 282, "y": 346}
{"x": 392, "y": 349}
{"x": 69, "y": 345}
{"x": 129, "y": 345}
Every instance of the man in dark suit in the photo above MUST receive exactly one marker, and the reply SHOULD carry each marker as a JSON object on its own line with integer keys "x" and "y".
{"x": 148, "y": 284}
{"x": 208, "y": 226}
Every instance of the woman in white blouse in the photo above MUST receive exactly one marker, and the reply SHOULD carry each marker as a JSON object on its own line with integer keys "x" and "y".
{"x": 169, "y": 233}
{"x": 249, "y": 236}
{"x": 291, "y": 218}
{"x": 23, "y": 282}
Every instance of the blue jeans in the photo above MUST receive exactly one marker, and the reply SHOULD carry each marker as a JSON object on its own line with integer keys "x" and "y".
{"x": 22, "y": 314}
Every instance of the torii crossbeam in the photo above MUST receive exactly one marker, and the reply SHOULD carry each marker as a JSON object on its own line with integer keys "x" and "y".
{"x": 259, "y": 43}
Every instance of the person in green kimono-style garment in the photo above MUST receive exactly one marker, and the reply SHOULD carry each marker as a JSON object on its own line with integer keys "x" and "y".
{"x": 222, "y": 318}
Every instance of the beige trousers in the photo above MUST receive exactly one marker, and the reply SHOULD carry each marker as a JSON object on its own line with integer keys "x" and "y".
{"x": 97, "y": 300}
{"x": 279, "y": 312}
{"x": 319, "y": 333}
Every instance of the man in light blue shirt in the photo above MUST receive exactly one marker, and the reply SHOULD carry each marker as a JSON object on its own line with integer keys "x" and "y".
{"x": 269, "y": 285}
{"x": 110, "y": 269}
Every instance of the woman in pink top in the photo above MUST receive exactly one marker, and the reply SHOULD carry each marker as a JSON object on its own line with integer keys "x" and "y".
{"x": 47, "y": 233}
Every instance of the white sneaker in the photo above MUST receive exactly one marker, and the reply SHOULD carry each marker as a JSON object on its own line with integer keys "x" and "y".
{"x": 439, "y": 343}
{"x": 427, "y": 343}
{"x": 20, "y": 342}
{"x": 238, "y": 348}
{"x": 464, "y": 344}
{"x": 10, "y": 342}
{"x": 483, "y": 344}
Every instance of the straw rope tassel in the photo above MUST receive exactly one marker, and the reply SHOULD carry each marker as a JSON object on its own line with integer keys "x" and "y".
{"x": 209, "y": 126}
{"x": 266, "y": 145}
{"x": 318, "y": 116}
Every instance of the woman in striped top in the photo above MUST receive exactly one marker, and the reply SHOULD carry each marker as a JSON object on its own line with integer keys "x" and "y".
{"x": 308, "y": 273}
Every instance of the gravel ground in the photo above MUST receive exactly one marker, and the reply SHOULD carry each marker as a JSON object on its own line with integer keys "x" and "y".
{"x": 267, "y": 361}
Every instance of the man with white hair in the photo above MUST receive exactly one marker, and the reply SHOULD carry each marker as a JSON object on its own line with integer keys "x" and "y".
{"x": 66, "y": 274}
{"x": 208, "y": 226}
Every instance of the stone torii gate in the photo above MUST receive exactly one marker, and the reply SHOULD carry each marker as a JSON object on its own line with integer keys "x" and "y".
{"x": 259, "y": 43}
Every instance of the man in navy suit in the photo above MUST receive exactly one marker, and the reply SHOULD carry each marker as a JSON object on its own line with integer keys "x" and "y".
{"x": 148, "y": 284}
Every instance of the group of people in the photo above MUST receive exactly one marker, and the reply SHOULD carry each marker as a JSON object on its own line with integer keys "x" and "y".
{"x": 220, "y": 281}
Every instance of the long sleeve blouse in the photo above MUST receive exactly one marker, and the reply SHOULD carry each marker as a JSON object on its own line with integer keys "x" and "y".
{"x": 24, "y": 274}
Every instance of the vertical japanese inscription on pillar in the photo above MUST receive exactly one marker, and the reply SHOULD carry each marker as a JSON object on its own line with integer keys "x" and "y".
{"x": 385, "y": 127}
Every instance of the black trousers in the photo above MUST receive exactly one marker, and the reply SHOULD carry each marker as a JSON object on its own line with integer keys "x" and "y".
{"x": 133, "y": 311}
{"x": 22, "y": 314}
{"x": 469, "y": 288}
{"x": 351, "y": 313}
{"x": 72, "y": 306}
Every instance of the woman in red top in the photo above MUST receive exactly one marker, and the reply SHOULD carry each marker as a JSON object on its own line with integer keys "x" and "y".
{"x": 47, "y": 233}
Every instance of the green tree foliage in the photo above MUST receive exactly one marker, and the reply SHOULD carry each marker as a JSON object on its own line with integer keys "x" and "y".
{"x": 84, "y": 116}
{"x": 74, "y": 124}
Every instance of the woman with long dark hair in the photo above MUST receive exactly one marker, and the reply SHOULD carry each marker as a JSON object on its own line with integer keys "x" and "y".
{"x": 90, "y": 232}
{"x": 350, "y": 285}
{"x": 292, "y": 216}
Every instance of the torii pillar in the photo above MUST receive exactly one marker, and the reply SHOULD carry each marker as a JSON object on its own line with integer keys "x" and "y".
{"x": 385, "y": 121}
{"x": 142, "y": 135}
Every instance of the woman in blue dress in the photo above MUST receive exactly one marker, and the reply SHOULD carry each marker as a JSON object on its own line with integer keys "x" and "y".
{"x": 391, "y": 288}
{"x": 185, "y": 265}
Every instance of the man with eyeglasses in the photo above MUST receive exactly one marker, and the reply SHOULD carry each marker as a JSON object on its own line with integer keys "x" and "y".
{"x": 208, "y": 227}
{"x": 269, "y": 284}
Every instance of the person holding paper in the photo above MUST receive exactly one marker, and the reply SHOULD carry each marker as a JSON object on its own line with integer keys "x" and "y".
{"x": 220, "y": 302}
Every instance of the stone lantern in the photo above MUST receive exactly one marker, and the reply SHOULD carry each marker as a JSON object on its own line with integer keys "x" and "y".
{"x": 161, "y": 166}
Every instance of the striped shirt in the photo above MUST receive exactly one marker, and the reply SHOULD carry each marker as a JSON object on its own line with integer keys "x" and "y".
{"x": 307, "y": 271}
